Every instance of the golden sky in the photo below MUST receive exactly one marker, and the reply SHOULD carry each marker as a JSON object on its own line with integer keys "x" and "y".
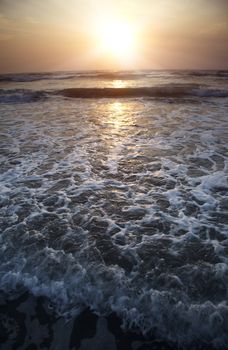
{"x": 50, "y": 35}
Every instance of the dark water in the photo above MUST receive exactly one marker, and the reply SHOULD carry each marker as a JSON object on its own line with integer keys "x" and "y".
{"x": 114, "y": 199}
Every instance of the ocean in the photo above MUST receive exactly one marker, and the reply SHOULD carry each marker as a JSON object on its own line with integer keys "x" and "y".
{"x": 114, "y": 210}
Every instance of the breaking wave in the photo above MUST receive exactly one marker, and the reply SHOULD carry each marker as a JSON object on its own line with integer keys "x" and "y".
{"x": 17, "y": 96}
{"x": 160, "y": 91}
{"x": 169, "y": 91}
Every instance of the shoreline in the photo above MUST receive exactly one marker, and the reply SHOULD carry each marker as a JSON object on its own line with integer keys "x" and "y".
{"x": 28, "y": 322}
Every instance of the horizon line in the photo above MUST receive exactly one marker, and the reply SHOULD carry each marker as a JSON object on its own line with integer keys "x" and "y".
{"x": 115, "y": 70}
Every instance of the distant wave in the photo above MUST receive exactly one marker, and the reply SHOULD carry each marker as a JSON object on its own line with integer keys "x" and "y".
{"x": 107, "y": 75}
{"x": 218, "y": 73}
{"x": 23, "y": 78}
{"x": 159, "y": 91}
{"x": 113, "y": 75}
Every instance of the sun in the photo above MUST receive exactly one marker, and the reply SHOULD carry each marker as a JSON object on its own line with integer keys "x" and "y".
{"x": 117, "y": 39}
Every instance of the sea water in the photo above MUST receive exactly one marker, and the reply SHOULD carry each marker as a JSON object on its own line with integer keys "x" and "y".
{"x": 114, "y": 197}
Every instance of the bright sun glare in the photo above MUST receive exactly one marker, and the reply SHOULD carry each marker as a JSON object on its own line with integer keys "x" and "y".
{"x": 117, "y": 39}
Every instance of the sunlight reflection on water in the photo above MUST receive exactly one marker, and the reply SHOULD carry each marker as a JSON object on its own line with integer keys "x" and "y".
{"x": 119, "y": 114}
{"x": 118, "y": 119}
{"x": 119, "y": 84}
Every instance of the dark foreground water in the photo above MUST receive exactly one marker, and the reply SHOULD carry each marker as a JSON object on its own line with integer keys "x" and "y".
{"x": 114, "y": 210}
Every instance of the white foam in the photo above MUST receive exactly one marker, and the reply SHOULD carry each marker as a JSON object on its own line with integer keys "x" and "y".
{"x": 121, "y": 220}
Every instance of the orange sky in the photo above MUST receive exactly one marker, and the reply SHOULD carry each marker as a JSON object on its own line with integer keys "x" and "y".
{"x": 54, "y": 35}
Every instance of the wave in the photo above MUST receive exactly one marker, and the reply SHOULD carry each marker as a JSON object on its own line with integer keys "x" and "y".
{"x": 113, "y": 75}
{"x": 26, "y": 78}
{"x": 159, "y": 91}
{"x": 23, "y": 78}
{"x": 17, "y": 96}
{"x": 217, "y": 73}
{"x": 109, "y": 75}
{"x": 167, "y": 91}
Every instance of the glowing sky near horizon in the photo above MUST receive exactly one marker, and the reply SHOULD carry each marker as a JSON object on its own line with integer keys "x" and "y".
{"x": 53, "y": 35}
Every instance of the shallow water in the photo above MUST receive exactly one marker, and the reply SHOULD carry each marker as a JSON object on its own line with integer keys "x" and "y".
{"x": 119, "y": 204}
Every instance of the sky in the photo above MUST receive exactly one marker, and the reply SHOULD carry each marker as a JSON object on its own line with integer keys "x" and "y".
{"x": 57, "y": 35}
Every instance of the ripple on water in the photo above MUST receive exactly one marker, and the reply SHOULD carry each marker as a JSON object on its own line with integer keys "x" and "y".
{"x": 121, "y": 208}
